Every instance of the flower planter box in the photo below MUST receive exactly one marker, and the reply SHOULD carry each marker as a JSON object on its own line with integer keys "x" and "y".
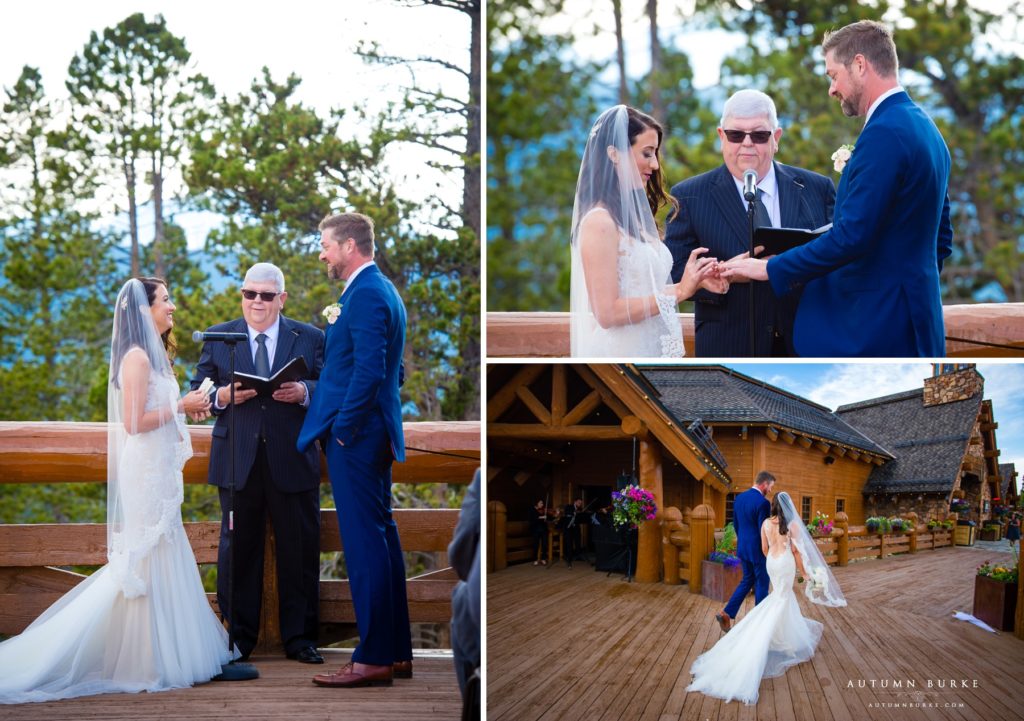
{"x": 995, "y": 602}
{"x": 718, "y": 581}
{"x": 991, "y": 534}
{"x": 963, "y": 535}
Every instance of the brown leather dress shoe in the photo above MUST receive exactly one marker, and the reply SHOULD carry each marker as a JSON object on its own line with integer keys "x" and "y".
{"x": 402, "y": 669}
{"x": 347, "y": 677}
{"x": 723, "y": 621}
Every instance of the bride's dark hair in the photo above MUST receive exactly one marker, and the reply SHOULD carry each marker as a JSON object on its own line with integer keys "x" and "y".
{"x": 777, "y": 512}
{"x": 130, "y": 336}
{"x": 655, "y": 188}
{"x": 151, "y": 284}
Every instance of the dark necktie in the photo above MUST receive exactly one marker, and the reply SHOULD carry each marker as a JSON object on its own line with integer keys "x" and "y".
{"x": 761, "y": 217}
{"x": 262, "y": 359}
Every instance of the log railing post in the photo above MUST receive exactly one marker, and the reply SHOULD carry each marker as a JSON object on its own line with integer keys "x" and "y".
{"x": 912, "y": 517}
{"x": 671, "y": 520}
{"x": 648, "y": 545}
{"x": 702, "y": 540}
{"x": 497, "y": 535}
{"x": 842, "y": 522}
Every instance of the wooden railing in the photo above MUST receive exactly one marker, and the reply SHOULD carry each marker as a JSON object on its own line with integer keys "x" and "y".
{"x": 686, "y": 542}
{"x": 976, "y": 330}
{"x": 446, "y": 452}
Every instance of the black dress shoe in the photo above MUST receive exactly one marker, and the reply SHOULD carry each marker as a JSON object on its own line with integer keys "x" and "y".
{"x": 309, "y": 654}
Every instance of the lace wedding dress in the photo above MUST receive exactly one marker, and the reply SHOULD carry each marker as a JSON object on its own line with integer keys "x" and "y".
{"x": 142, "y": 622}
{"x": 767, "y": 641}
{"x": 640, "y": 266}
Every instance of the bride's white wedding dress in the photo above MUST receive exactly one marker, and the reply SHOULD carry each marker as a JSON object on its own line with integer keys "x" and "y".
{"x": 142, "y": 622}
{"x": 767, "y": 641}
{"x": 643, "y": 268}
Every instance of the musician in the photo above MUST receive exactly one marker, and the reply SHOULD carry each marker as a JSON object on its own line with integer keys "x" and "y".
{"x": 539, "y": 518}
{"x": 572, "y": 520}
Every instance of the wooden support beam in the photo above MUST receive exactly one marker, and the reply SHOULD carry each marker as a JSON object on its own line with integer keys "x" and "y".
{"x": 547, "y": 433}
{"x": 993, "y": 454}
{"x": 633, "y": 426}
{"x": 583, "y": 409}
{"x": 503, "y": 399}
{"x": 534, "y": 405}
{"x": 524, "y": 449}
{"x": 823, "y": 447}
{"x": 853, "y": 454}
{"x": 608, "y": 396}
{"x": 788, "y": 437}
{"x": 985, "y": 427}
{"x": 559, "y": 394}
{"x": 805, "y": 441}
{"x": 771, "y": 431}
{"x": 838, "y": 451}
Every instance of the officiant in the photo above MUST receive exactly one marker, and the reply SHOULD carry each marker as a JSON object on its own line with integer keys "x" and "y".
{"x": 713, "y": 215}
{"x": 272, "y": 479}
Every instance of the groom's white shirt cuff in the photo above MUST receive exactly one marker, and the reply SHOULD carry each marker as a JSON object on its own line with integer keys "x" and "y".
{"x": 879, "y": 99}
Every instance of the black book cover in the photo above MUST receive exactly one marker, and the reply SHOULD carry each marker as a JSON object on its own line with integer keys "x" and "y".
{"x": 779, "y": 240}
{"x": 293, "y": 370}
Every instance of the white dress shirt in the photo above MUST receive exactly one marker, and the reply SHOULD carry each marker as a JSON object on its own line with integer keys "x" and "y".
{"x": 879, "y": 99}
{"x": 769, "y": 195}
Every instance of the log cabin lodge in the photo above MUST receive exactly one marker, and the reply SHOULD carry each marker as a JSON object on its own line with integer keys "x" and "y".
{"x": 696, "y": 435}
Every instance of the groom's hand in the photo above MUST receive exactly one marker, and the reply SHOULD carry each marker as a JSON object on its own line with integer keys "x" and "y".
{"x": 744, "y": 267}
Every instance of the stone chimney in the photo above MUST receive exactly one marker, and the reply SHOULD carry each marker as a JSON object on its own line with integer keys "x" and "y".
{"x": 952, "y": 382}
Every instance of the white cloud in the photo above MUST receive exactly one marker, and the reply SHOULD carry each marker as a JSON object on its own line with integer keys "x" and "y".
{"x": 854, "y": 382}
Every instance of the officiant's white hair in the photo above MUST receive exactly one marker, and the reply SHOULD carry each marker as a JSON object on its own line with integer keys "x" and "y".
{"x": 264, "y": 273}
{"x": 749, "y": 104}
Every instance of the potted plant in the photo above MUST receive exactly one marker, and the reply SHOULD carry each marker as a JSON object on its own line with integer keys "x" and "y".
{"x": 995, "y": 593}
{"x": 959, "y": 505}
{"x": 721, "y": 572}
{"x": 897, "y": 524}
{"x": 630, "y": 508}
{"x": 820, "y": 526}
{"x": 991, "y": 531}
{"x": 873, "y": 524}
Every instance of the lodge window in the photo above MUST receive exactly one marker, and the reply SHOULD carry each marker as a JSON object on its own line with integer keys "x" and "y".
{"x": 840, "y": 505}
{"x": 805, "y": 509}
{"x": 729, "y": 499}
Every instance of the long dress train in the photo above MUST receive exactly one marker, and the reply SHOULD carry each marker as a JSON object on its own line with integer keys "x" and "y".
{"x": 766, "y": 642}
{"x": 142, "y": 622}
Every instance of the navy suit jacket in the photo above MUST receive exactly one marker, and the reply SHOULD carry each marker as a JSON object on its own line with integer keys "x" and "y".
{"x": 749, "y": 510}
{"x": 871, "y": 284}
{"x": 363, "y": 367}
{"x": 291, "y": 470}
{"x": 712, "y": 215}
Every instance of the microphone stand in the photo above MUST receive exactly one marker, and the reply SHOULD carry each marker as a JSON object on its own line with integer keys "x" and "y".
{"x": 233, "y": 671}
{"x": 750, "y": 284}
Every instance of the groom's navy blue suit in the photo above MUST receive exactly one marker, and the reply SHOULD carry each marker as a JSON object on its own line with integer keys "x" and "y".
{"x": 871, "y": 284}
{"x": 712, "y": 215}
{"x": 357, "y": 403}
{"x": 750, "y": 509}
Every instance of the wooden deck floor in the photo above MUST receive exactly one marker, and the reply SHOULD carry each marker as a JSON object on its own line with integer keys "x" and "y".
{"x": 283, "y": 691}
{"x": 572, "y": 644}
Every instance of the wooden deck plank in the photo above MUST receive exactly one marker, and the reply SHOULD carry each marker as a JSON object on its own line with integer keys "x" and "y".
{"x": 575, "y": 645}
{"x": 283, "y": 691}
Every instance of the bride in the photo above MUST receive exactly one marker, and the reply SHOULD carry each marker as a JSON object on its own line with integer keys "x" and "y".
{"x": 142, "y": 622}
{"x": 622, "y": 300}
{"x": 774, "y": 635}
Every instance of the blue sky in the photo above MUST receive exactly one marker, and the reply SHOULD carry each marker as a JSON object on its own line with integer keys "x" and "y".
{"x": 834, "y": 384}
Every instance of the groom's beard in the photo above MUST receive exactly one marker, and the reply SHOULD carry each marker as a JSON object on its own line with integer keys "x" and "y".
{"x": 334, "y": 272}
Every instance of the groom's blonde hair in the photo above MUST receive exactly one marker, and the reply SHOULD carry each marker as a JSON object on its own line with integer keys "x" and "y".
{"x": 357, "y": 226}
{"x": 871, "y": 39}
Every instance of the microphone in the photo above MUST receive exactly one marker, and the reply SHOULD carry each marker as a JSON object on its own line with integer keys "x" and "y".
{"x": 200, "y": 337}
{"x": 749, "y": 184}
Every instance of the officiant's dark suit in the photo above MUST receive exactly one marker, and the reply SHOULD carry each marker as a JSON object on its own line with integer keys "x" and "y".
{"x": 272, "y": 478}
{"x": 712, "y": 215}
{"x": 357, "y": 414}
{"x": 750, "y": 510}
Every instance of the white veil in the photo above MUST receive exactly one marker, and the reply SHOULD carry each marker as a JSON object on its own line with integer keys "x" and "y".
{"x": 609, "y": 181}
{"x": 820, "y": 586}
{"x": 135, "y": 518}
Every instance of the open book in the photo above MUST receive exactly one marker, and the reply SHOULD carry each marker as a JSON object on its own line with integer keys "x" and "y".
{"x": 779, "y": 240}
{"x": 293, "y": 370}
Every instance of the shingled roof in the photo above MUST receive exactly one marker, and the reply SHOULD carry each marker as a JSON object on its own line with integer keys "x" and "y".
{"x": 716, "y": 394}
{"x": 929, "y": 442}
{"x": 1007, "y": 472}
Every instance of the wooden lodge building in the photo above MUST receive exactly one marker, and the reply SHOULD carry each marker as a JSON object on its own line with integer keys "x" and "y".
{"x": 696, "y": 435}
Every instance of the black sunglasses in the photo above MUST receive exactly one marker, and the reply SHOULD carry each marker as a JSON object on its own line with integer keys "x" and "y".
{"x": 758, "y": 137}
{"x": 264, "y": 295}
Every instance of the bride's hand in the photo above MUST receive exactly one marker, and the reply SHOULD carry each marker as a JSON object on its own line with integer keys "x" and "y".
{"x": 696, "y": 270}
{"x": 196, "y": 403}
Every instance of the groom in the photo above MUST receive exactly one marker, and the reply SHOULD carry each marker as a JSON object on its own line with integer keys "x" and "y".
{"x": 872, "y": 282}
{"x": 356, "y": 414}
{"x": 750, "y": 510}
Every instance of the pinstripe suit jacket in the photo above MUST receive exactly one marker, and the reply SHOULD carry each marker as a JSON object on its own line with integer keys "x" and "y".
{"x": 291, "y": 470}
{"x": 711, "y": 215}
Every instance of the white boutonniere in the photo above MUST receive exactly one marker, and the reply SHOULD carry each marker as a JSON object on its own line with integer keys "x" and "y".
{"x": 331, "y": 313}
{"x": 841, "y": 157}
